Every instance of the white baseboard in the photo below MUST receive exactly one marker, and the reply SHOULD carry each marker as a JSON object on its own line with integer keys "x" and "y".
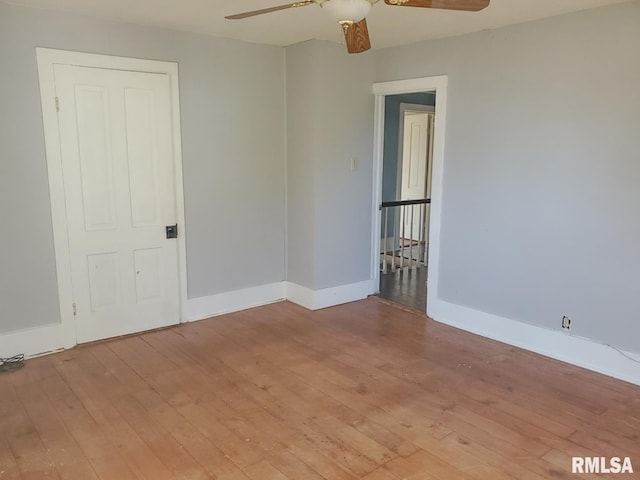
{"x": 33, "y": 342}
{"x": 555, "y": 344}
{"x": 50, "y": 338}
{"x": 227, "y": 302}
{"x": 328, "y": 297}
{"x": 300, "y": 295}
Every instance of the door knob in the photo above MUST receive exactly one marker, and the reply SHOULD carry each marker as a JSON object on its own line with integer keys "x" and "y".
{"x": 172, "y": 231}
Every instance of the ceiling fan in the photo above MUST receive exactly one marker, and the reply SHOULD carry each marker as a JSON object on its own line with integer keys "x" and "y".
{"x": 350, "y": 14}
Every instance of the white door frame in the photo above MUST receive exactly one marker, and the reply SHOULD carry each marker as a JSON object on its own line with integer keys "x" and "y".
{"x": 437, "y": 84}
{"x": 63, "y": 335}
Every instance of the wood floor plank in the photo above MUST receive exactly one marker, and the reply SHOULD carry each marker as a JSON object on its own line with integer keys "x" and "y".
{"x": 174, "y": 456}
{"x": 292, "y": 467}
{"x": 263, "y": 470}
{"x": 341, "y": 410}
{"x": 142, "y": 359}
{"x": 199, "y": 400}
{"x": 8, "y": 466}
{"x": 212, "y": 460}
{"x": 32, "y": 458}
{"x": 363, "y": 390}
{"x": 100, "y": 399}
{"x": 380, "y": 474}
{"x": 297, "y": 426}
{"x": 541, "y": 451}
{"x": 560, "y": 459}
{"x": 24, "y": 448}
{"x": 315, "y": 410}
{"x": 103, "y": 455}
{"x": 279, "y": 445}
{"x": 61, "y": 447}
{"x": 421, "y": 466}
{"x": 14, "y": 421}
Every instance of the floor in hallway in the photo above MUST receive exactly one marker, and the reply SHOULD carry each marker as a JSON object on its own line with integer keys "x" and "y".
{"x": 406, "y": 286}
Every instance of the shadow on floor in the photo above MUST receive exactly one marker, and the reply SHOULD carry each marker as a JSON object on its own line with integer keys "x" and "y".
{"x": 406, "y": 286}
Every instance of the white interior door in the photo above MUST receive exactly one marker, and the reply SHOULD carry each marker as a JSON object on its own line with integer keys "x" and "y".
{"x": 415, "y": 170}
{"x": 414, "y": 156}
{"x": 117, "y": 161}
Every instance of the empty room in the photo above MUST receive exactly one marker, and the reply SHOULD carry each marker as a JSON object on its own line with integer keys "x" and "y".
{"x": 322, "y": 240}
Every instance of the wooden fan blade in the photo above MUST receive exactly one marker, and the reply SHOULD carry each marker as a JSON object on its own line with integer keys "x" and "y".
{"x": 357, "y": 37}
{"x": 253, "y": 13}
{"x": 466, "y": 5}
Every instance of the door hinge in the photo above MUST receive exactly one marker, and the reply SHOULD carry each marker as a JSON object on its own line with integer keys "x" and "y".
{"x": 74, "y": 309}
{"x": 57, "y": 104}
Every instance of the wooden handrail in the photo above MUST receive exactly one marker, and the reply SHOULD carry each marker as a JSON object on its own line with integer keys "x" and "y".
{"x": 399, "y": 203}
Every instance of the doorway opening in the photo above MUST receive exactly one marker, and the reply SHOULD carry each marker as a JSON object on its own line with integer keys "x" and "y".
{"x": 406, "y": 187}
{"x": 409, "y": 142}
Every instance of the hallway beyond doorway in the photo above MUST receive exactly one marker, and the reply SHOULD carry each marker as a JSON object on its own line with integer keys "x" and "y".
{"x": 406, "y": 286}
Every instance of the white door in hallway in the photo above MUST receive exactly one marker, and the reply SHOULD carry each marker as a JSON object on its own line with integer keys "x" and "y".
{"x": 117, "y": 162}
{"x": 416, "y": 169}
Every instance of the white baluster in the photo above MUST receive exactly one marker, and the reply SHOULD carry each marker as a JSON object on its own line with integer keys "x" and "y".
{"x": 411, "y": 238}
{"x": 404, "y": 221}
{"x": 384, "y": 239}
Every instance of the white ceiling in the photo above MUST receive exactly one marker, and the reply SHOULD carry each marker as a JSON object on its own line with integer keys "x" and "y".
{"x": 388, "y": 26}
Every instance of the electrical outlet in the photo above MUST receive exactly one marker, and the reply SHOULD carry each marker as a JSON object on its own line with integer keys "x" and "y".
{"x": 566, "y": 323}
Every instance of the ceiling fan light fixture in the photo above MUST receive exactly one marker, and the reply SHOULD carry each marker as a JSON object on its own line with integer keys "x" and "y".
{"x": 350, "y": 14}
{"x": 347, "y": 12}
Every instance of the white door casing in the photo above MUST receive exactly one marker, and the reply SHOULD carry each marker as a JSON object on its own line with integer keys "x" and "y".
{"x": 115, "y": 143}
{"x": 63, "y": 334}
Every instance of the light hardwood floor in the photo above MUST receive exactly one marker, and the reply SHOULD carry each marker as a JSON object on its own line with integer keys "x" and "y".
{"x": 364, "y": 390}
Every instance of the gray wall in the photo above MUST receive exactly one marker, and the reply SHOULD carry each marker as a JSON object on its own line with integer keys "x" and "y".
{"x": 330, "y": 118}
{"x": 542, "y": 167}
{"x": 302, "y": 148}
{"x": 232, "y": 101}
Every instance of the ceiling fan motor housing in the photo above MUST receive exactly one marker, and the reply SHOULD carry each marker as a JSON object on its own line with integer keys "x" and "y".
{"x": 347, "y": 12}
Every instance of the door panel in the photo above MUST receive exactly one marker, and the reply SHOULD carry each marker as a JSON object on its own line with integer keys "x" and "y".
{"x": 115, "y": 135}
{"x": 103, "y": 280}
{"x": 95, "y": 158}
{"x": 148, "y": 265}
{"x": 139, "y": 107}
